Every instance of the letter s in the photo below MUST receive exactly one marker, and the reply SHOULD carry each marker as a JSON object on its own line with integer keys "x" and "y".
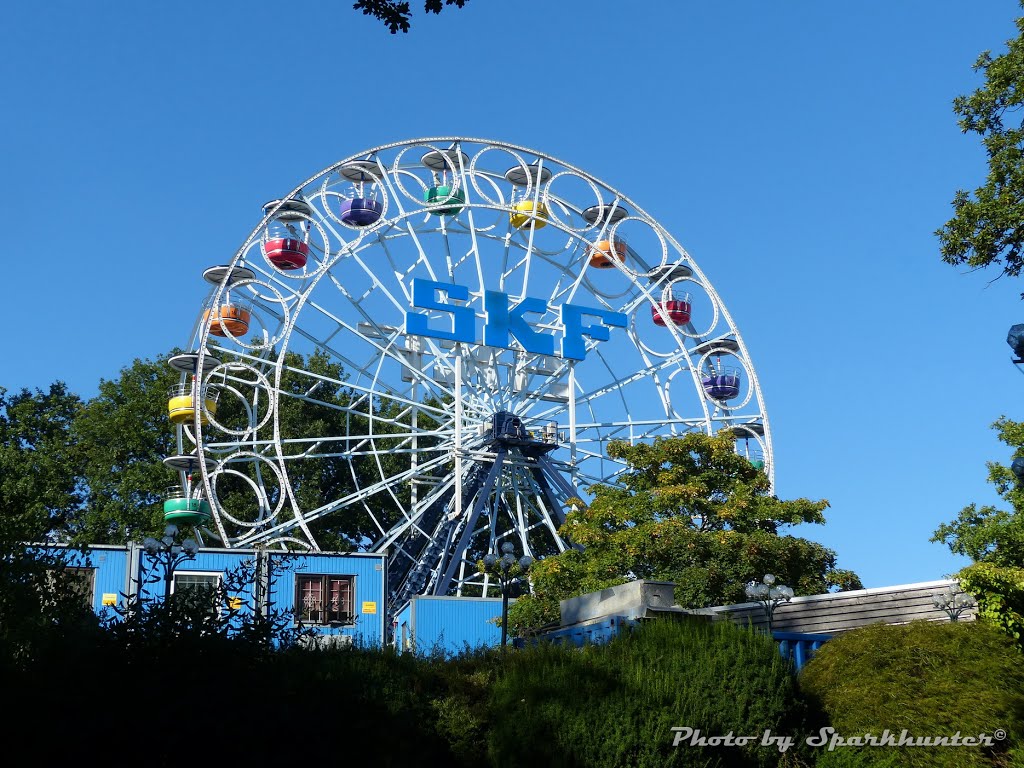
{"x": 424, "y": 296}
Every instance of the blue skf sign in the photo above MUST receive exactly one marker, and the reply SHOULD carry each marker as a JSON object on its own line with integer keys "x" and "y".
{"x": 505, "y": 321}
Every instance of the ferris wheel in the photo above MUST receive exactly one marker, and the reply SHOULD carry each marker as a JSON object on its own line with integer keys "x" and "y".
{"x": 426, "y": 348}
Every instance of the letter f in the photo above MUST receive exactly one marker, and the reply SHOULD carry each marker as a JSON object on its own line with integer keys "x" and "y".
{"x": 573, "y": 345}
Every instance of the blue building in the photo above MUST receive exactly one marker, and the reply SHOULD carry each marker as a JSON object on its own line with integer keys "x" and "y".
{"x": 429, "y": 624}
{"x": 342, "y": 596}
{"x": 339, "y": 595}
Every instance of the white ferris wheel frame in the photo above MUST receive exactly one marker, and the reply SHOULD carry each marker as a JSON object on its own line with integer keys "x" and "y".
{"x": 519, "y": 482}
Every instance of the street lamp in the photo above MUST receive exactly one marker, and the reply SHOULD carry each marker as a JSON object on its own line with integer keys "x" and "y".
{"x": 769, "y": 595}
{"x": 1015, "y": 338}
{"x": 170, "y": 553}
{"x": 953, "y": 602}
{"x": 505, "y": 570}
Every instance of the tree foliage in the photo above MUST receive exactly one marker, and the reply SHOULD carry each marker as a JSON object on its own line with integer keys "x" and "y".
{"x": 39, "y": 481}
{"x": 40, "y": 493}
{"x": 928, "y": 678}
{"x": 615, "y": 705}
{"x": 42, "y": 613}
{"x": 122, "y": 436}
{"x": 994, "y": 539}
{"x": 988, "y": 226}
{"x": 396, "y": 15}
{"x": 689, "y": 510}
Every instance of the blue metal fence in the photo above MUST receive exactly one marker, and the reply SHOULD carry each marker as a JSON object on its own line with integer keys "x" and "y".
{"x": 799, "y": 648}
{"x": 589, "y": 633}
{"x": 796, "y": 647}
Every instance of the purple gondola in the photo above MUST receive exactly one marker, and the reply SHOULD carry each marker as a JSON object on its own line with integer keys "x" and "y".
{"x": 361, "y": 211}
{"x": 721, "y": 386}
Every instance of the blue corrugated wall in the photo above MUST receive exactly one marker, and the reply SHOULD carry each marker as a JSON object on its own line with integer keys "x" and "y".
{"x": 111, "y": 569}
{"x": 451, "y": 625}
{"x": 205, "y": 562}
{"x": 368, "y": 573}
{"x": 119, "y": 572}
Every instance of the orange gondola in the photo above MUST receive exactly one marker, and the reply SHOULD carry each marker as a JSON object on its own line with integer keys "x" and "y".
{"x": 229, "y": 319}
{"x": 604, "y": 251}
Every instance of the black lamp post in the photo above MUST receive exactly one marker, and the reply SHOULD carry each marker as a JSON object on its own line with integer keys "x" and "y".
{"x": 170, "y": 554}
{"x": 507, "y": 570}
{"x": 769, "y": 595}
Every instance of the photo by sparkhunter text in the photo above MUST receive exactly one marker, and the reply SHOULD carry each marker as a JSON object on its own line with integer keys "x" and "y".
{"x": 830, "y": 740}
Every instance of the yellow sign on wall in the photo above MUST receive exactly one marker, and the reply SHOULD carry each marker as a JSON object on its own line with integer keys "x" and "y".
{"x": 369, "y": 607}
{"x": 109, "y": 598}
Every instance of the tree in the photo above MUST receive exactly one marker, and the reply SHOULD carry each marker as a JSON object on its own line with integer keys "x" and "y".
{"x": 988, "y": 227}
{"x": 122, "y": 436}
{"x": 41, "y": 607}
{"x": 689, "y": 510}
{"x": 994, "y": 539}
{"x": 39, "y": 483}
{"x": 615, "y": 704}
{"x": 396, "y": 15}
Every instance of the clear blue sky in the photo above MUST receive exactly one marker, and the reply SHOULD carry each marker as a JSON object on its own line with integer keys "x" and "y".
{"x": 803, "y": 152}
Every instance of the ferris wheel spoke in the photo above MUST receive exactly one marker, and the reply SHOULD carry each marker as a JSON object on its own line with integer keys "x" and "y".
{"x": 474, "y": 248}
{"x": 617, "y": 385}
{"x": 389, "y": 351}
{"x": 411, "y": 523}
{"x": 361, "y": 391}
{"x": 352, "y": 498}
{"x": 641, "y": 429}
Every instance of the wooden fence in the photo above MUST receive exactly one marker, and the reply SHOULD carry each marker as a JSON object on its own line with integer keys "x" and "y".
{"x": 837, "y": 612}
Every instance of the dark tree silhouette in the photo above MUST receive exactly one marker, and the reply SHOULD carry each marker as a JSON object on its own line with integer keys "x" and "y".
{"x": 396, "y": 15}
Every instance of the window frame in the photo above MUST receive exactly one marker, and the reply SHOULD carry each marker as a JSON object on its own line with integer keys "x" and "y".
{"x": 216, "y": 608}
{"x": 86, "y": 587}
{"x": 217, "y": 576}
{"x": 327, "y": 617}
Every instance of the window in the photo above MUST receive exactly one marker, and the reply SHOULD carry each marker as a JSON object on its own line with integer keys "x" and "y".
{"x": 189, "y": 580}
{"x": 206, "y": 584}
{"x": 324, "y": 599}
{"x": 76, "y": 581}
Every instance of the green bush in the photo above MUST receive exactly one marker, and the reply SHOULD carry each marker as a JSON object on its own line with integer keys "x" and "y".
{"x": 166, "y": 686}
{"x": 927, "y": 678}
{"x": 615, "y": 705}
